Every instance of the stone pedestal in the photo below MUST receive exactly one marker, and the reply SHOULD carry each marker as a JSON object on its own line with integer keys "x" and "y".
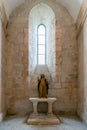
{"x": 36, "y": 118}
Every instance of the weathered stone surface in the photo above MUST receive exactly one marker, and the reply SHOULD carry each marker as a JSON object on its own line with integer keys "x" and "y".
{"x": 19, "y": 63}
{"x": 82, "y": 72}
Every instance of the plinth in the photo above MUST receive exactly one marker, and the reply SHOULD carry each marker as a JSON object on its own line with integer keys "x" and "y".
{"x": 46, "y": 119}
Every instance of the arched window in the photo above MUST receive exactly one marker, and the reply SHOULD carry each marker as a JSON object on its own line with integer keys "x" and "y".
{"x": 41, "y": 44}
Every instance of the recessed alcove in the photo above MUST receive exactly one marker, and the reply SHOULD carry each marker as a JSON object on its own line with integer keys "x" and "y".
{"x": 65, "y": 66}
{"x": 42, "y": 107}
{"x": 36, "y": 18}
{"x": 22, "y": 68}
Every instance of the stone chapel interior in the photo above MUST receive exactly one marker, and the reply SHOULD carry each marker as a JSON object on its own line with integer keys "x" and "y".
{"x": 43, "y": 37}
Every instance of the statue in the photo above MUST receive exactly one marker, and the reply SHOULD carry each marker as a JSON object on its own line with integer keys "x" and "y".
{"x": 43, "y": 87}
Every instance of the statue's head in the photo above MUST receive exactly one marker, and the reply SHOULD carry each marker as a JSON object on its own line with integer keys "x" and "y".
{"x": 42, "y": 75}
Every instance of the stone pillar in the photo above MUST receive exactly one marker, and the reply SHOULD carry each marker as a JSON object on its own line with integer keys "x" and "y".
{"x": 35, "y": 107}
{"x": 50, "y": 107}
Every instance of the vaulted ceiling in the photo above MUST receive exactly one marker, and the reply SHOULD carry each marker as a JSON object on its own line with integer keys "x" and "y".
{"x": 73, "y": 6}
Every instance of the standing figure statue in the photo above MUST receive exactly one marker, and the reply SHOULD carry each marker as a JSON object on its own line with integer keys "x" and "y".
{"x": 43, "y": 87}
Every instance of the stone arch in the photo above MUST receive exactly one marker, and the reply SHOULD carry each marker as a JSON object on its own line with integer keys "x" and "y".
{"x": 36, "y": 18}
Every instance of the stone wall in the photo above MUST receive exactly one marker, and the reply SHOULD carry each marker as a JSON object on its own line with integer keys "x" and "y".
{"x": 3, "y": 14}
{"x": 3, "y": 23}
{"x": 3, "y": 72}
{"x": 82, "y": 68}
{"x": 82, "y": 102}
{"x": 17, "y": 78}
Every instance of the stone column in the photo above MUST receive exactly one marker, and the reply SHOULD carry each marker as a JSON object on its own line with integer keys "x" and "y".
{"x": 35, "y": 107}
{"x": 50, "y": 107}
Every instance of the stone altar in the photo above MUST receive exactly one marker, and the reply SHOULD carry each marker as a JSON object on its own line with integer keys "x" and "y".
{"x": 36, "y": 118}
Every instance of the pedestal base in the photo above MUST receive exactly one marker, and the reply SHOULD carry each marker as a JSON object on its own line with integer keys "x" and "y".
{"x": 43, "y": 119}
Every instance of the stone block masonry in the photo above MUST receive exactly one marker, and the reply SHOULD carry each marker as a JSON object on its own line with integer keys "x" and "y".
{"x": 17, "y": 54}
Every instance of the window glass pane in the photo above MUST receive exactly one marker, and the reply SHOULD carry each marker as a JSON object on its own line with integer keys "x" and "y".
{"x": 41, "y": 49}
{"x": 41, "y": 59}
{"x": 41, "y": 30}
{"x": 41, "y": 40}
{"x": 41, "y": 44}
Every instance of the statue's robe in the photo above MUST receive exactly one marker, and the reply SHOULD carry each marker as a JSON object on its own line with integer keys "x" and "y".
{"x": 43, "y": 88}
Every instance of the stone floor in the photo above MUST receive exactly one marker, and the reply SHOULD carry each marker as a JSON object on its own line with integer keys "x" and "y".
{"x": 19, "y": 123}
